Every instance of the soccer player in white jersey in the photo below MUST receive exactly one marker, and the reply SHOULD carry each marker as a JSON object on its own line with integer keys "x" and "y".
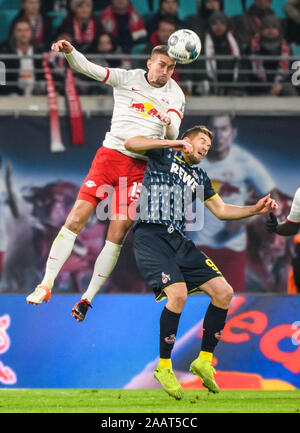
{"x": 232, "y": 170}
{"x": 290, "y": 227}
{"x": 147, "y": 104}
{"x": 292, "y": 222}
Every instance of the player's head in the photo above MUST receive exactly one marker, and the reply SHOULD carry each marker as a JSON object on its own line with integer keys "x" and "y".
{"x": 200, "y": 137}
{"x": 160, "y": 66}
{"x": 224, "y": 132}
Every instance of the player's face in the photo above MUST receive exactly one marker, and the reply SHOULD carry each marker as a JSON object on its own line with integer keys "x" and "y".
{"x": 223, "y": 132}
{"x": 201, "y": 144}
{"x": 161, "y": 68}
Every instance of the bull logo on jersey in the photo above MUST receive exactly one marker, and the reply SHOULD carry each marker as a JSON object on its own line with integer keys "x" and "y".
{"x": 146, "y": 109}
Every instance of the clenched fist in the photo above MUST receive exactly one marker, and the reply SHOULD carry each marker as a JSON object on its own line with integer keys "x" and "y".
{"x": 62, "y": 46}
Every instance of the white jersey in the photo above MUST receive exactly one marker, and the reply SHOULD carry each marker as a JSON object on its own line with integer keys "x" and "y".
{"x": 3, "y": 196}
{"x": 231, "y": 179}
{"x": 136, "y": 102}
{"x": 294, "y": 215}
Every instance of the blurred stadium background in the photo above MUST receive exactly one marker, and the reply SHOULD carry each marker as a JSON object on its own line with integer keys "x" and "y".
{"x": 117, "y": 346}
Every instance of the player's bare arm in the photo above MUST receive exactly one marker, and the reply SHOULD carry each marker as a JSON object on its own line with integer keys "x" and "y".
{"x": 142, "y": 144}
{"x": 225, "y": 211}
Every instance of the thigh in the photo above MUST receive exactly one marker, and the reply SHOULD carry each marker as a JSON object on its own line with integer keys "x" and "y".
{"x": 79, "y": 215}
{"x": 127, "y": 191}
{"x": 155, "y": 259}
{"x": 196, "y": 267}
{"x": 101, "y": 178}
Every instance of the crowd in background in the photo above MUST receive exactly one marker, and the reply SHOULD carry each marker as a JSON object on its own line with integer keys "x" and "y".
{"x": 115, "y": 27}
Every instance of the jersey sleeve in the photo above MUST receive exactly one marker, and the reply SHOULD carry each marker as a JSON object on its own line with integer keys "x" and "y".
{"x": 111, "y": 76}
{"x": 177, "y": 105}
{"x": 175, "y": 111}
{"x": 209, "y": 192}
{"x": 294, "y": 215}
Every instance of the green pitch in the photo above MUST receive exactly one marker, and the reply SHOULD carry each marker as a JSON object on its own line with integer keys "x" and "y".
{"x": 145, "y": 401}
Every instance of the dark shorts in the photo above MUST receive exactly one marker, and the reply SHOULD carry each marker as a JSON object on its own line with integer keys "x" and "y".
{"x": 166, "y": 258}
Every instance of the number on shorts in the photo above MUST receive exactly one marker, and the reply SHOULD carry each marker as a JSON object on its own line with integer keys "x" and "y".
{"x": 211, "y": 264}
{"x": 136, "y": 190}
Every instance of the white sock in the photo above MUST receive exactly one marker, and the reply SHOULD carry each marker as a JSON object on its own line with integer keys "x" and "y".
{"x": 104, "y": 265}
{"x": 59, "y": 253}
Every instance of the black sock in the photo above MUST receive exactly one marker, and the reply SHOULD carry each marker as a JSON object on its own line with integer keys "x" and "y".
{"x": 214, "y": 322}
{"x": 168, "y": 330}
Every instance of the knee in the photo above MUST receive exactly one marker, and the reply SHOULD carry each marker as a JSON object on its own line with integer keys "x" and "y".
{"x": 116, "y": 236}
{"x": 225, "y": 296}
{"x": 74, "y": 223}
{"x": 177, "y": 299}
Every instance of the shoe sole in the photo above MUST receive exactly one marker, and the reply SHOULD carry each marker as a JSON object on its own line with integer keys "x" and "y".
{"x": 78, "y": 318}
{"x": 177, "y": 397}
{"x": 46, "y": 298}
{"x": 36, "y": 303}
{"x": 206, "y": 382}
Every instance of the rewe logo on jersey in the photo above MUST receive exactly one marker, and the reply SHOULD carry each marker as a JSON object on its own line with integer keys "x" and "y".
{"x": 146, "y": 109}
{"x": 187, "y": 178}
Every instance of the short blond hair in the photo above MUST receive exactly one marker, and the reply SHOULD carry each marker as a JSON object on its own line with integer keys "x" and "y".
{"x": 196, "y": 130}
{"x": 159, "y": 49}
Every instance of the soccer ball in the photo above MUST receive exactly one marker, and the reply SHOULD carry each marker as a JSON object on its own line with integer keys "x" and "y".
{"x": 184, "y": 46}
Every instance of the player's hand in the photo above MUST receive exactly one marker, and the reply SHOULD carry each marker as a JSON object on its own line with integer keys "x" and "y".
{"x": 272, "y": 223}
{"x": 182, "y": 146}
{"x": 165, "y": 118}
{"x": 265, "y": 205}
{"x": 62, "y": 46}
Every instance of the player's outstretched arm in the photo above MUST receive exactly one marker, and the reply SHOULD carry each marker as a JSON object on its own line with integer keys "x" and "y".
{"x": 226, "y": 211}
{"x": 78, "y": 61}
{"x": 142, "y": 144}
